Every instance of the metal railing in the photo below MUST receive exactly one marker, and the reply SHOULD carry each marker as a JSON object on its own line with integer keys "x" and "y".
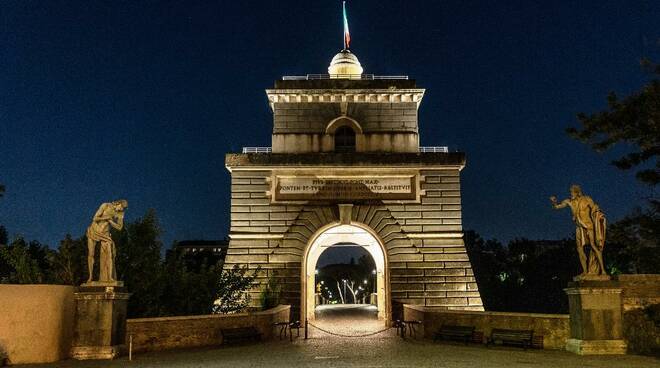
{"x": 441, "y": 149}
{"x": 344, "y": 76}
{"x": 257, "y": 150}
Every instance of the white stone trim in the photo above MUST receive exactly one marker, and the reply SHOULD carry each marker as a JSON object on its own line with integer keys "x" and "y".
{"x": 256, "y": 236}
{"x": 434, "y": 235}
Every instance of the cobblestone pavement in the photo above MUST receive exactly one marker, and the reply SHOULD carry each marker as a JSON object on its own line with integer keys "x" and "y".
{"x": 381, "y": 350}
{"x": 367, "y": 352}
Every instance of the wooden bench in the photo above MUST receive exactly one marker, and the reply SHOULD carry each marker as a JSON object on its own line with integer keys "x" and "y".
{"x": 514, "y": 337}
{"x": 454, "y": 332}
{"x": 232, "y": 335}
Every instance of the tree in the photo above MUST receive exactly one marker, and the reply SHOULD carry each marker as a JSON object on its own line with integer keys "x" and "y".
{"x": 4, "y": 236}
{"x": 68, "y": 263}
{"x": 190, "y": 283}
{"x": 633, "y": 120}
{"x": 348, "y": 278}
{"x": 525, "y": 276}
{"x": 270, "y": 295}
{"x": 138, "y": 263}
{"x": 24, "y": 265}
{"x": 233, "y": 286}
{"x": 632, "y": 245}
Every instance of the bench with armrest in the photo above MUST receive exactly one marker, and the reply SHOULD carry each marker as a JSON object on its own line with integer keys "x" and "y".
{"x": 294, "y": 325}
{"x": 232, "y": 335}
{"x": 287, "y": 327}
{"x": 454, "y": 332}
{"x": 402, "y": 326}
{"x": 284, "y": 326}
{"x": 511, "y": 337}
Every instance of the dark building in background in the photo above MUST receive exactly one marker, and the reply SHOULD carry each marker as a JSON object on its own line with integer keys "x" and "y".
{"x": 216, "y": 247}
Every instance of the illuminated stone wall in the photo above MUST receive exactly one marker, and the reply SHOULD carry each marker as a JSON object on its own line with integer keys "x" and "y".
{"x": 427, "y": 260}
{"x": 419, "y": 227}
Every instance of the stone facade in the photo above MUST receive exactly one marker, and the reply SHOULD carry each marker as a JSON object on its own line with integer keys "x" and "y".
{"x": 426, "y": 260}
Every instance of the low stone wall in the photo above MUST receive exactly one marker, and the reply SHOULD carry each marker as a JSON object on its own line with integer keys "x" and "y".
{"x": 152, "y": 334}
{"x": 554, "y": 328}
{"x": 36, "y": 322}
{"x": 639, "y": 291}
{"x": 641, "y": 305}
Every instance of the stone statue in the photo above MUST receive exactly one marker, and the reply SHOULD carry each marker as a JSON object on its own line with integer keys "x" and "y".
{"x": 108, "y": 214}
{"x": 590, "y": 226}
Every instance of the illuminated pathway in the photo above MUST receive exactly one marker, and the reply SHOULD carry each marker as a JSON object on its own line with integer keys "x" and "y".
{"x": 348, "y": 319}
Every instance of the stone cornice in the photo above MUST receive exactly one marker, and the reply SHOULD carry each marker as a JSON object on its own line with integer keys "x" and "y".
{"x": 344, "y": 95}
{"x": 356, "y": 161}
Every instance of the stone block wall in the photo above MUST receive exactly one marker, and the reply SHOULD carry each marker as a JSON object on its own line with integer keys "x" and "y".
{"x": 428, "y": 263}
{"x": 313, "y": 117}
{"x": 386, "y": 126}
{"x": 554, "y": 328}
{"x": 163, "y": 333}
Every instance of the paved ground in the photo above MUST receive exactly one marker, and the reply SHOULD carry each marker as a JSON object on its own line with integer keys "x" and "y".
{"x": 381, "y": 350}
{"x": 348, "y": 320}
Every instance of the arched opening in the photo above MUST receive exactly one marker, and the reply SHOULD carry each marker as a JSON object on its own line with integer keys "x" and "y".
{"x": 344, "y": 139}
{"x": 354, "y": 235}
{"x": 345, "y": 285}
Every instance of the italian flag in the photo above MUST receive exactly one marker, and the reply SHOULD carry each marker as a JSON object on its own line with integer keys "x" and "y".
{"x": 347, "y": 34}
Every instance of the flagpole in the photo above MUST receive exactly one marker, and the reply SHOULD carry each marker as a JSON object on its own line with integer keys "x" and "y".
{"x": 344, "y": 22}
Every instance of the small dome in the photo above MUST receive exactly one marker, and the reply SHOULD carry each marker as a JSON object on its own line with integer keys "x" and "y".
{"x": 345, "y": 65}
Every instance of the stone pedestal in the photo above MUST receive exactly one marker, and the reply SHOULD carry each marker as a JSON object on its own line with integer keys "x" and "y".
{"x": 100, "y": 325}
{"x": 596, "y": 318}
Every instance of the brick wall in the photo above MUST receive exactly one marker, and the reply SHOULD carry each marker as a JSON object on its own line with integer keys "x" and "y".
{"x": 163, "y": 333}
{"x": 554, "y": 328}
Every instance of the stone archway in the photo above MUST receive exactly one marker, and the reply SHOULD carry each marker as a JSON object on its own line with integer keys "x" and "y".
{"x": 336, "y": 233}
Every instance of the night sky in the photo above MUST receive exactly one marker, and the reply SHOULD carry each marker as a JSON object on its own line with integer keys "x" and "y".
{"x": 142, "y": 99}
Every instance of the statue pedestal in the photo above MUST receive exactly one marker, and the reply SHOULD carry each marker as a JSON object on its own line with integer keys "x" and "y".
{"x": 596, "y": 318}
{"x": 100, "y": 324}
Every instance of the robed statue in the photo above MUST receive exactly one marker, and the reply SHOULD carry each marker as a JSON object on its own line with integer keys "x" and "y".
{"x": 108, "y": 215}
{"x": 590, "y": 226}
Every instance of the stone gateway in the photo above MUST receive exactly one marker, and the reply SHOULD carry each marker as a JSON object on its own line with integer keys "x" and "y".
{"x": 345, "y": 166}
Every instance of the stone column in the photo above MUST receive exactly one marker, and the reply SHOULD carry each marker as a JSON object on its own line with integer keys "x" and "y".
{"x": 596, "y": 318}
{"x": 100, "y": 322}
